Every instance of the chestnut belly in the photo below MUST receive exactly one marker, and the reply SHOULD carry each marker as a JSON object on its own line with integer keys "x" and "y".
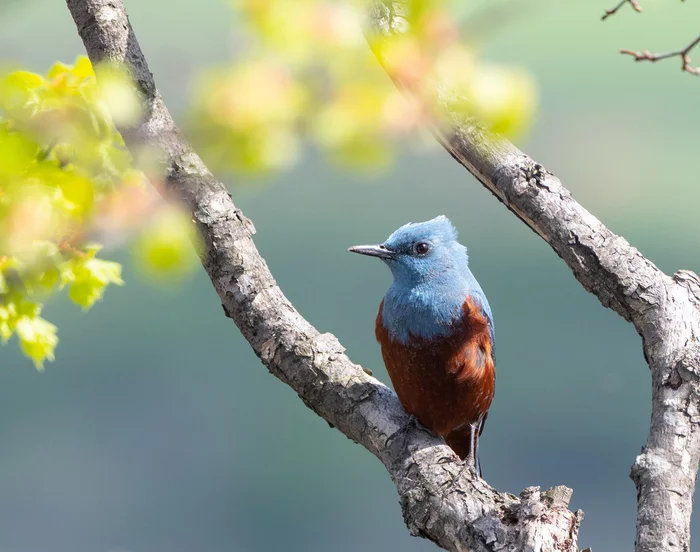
{"x": 448, "y": 382}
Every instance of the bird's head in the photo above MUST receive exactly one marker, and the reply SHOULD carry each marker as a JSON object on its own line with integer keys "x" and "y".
{"x": 421, "y": 252}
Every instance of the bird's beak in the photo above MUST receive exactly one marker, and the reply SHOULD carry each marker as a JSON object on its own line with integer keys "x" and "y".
{"x": 373, "y": 251}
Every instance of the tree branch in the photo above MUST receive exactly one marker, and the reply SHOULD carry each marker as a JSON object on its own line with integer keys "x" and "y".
{"x": 683, "y": 53}
{"x": 646, "y": 55}
{"x": 439, "y": 497}
{"x": 665, "y": 311}
{"x": 612, "y": 11}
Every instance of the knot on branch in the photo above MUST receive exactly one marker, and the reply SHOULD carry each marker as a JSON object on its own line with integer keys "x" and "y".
{"x": 474, "y": 515}
{"x": 687, "y": 368}
{"x": 650, "y": 467}
{"x": 537, "y": 513}
{"x": 536, "y": 504}
{"x": 558, "y": 497}
{"x": 534, "y": 173}
{"x": 689, "y": 280}
{"x": 530, "y": 176}
{"x": 321, "y": 348}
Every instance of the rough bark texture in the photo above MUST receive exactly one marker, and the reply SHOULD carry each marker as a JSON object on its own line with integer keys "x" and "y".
{"x": 665, "y": 311}
{"x": 440, "y": 498}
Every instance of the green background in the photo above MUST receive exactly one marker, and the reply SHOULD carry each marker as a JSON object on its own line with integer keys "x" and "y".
{"x": 157, "y": 429}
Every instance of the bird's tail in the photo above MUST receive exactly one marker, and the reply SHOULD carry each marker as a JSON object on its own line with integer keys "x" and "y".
{"x": 461, "y": 442}
{"x": 465, "y": 442}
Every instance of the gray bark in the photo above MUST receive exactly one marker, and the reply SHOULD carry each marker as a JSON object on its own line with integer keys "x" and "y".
{"x": 440, "y": 498}
{"x": 664, "y": 310}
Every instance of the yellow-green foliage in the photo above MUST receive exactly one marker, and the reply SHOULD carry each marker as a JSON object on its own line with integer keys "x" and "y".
{"x": 66, "y": 178}
{"x": 164, "y": 251}
{"x": 307, "y": 74}
{"x": 60, "y": 156}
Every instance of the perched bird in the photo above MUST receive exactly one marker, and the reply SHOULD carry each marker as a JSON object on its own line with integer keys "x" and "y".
{"x": 436, "y": 333}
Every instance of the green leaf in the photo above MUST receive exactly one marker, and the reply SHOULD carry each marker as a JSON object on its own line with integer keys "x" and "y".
{"x": 6, "y": 324}
{"x": 61, "y": 162}
{"x": 38, "y": 339}
{"x": 49, "y": 279}
{"x": 164, "y": 250}
{"x": 90, "y": 278}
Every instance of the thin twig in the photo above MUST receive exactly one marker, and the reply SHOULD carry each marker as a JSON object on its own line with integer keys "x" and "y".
{"x": 646, "y": 55}
{"x": 634, "y": 3}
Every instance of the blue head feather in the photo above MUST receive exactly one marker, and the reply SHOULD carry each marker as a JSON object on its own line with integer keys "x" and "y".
{"x": 429, "y": 289}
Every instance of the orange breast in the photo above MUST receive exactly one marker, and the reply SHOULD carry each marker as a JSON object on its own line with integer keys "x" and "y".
{"x": 448, "y": 382}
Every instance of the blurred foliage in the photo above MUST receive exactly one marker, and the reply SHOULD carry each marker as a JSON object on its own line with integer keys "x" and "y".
{"x": 68, "y": 186}
{"x": 164, "y": 252}
{"x": 305, "y": 73}
{"x": 66, "y": 180}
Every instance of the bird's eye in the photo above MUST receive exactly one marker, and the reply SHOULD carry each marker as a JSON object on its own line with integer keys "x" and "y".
{"x": 421, "y": 248}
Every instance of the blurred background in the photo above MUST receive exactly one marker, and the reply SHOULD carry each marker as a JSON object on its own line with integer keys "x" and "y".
{"x": 157, "y": 429}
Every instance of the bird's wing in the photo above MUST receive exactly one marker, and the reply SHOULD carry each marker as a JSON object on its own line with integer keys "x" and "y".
{"x": 480, "y": 298}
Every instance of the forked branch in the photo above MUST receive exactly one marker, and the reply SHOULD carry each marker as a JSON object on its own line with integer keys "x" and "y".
{"x": 647, "y": 55}
{"x": 683, "y": 53}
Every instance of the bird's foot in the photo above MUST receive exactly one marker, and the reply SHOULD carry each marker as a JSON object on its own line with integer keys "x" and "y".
{"x": 472, "y": 462}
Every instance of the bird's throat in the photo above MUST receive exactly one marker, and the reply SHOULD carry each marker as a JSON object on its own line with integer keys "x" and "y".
{"x": 424, "y": 311}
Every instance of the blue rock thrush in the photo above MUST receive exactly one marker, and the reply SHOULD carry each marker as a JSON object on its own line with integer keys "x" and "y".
{"x": 436, "y": 333}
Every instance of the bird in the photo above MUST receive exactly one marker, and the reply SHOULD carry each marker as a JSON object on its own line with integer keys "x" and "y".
{"x": 436, "y": 333}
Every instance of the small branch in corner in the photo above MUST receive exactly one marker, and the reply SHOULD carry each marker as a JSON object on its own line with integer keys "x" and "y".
{"x": 612, "y": 11}
{"x": 646, "y": 55}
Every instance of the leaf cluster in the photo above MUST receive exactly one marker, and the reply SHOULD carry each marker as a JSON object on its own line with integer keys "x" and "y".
{"x": 67, "y": 182}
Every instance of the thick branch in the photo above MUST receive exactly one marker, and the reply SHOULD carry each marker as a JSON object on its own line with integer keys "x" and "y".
{"x": 439, "y": 498}
{"x": 663, "y": 310}
{"x": 683, "y": 53}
